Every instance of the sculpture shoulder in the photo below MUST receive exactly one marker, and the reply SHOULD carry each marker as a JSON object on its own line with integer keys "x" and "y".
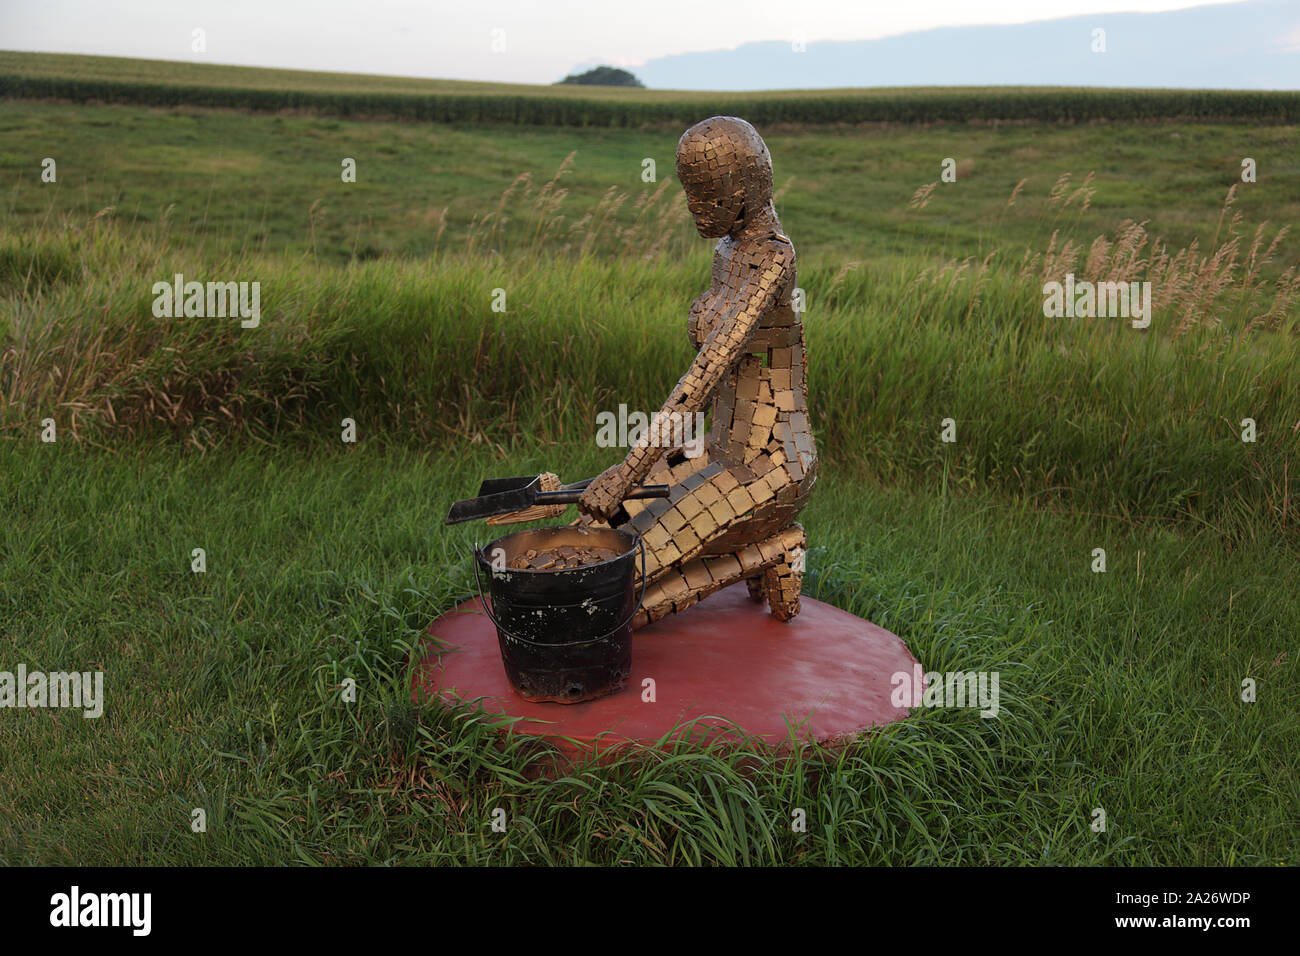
{"x": 767, "y": 260}
{"x": 772, "y": 251}
{"x": 776, "y": 243}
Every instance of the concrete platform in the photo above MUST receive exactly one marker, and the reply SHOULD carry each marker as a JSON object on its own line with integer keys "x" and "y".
{"x": 724, "y": 662}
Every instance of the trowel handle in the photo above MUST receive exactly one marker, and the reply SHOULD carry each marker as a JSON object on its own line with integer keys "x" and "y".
{"x": 569, "y": 494}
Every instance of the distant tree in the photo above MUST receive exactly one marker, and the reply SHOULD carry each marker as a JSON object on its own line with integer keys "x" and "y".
{"x": 603, "y": 76}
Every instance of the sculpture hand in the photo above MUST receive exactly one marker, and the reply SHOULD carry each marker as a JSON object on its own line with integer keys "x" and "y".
{"x": 604, "y": 496}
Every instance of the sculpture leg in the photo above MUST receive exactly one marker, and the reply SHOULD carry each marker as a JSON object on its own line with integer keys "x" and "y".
{"x": 783, "y": 581}
{"x": 771, "y": 565}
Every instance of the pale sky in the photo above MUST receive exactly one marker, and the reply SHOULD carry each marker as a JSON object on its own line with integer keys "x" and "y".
{"x": 543, "y": 39}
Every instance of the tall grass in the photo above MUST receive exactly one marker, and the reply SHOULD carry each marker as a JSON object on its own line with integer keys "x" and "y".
{"x": 1089, "y": 414}
{"x": 532, "y": 222}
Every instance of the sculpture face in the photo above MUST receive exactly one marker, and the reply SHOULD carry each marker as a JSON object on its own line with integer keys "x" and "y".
{"x": 726, "y": 171}
{"x": 715, "y": 216}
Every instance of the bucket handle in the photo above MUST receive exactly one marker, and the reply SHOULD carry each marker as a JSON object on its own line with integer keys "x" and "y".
{"x": 478, "y": 584}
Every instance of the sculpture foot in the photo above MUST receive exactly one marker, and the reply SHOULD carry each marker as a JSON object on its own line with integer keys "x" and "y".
{"x": 783, "y": 581}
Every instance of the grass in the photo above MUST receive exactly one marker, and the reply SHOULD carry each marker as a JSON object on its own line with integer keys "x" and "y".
{"x": 1119, "y": 690}
{"x": 1097, "y": 416}
{"x": 327, "y": 561}
{"x": 226, "y": 181}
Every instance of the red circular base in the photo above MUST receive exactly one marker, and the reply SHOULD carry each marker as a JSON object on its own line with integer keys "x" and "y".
{"x": 727, "y": 660}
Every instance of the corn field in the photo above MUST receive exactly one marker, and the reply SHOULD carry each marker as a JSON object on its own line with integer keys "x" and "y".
{"x": 544, "y": 108}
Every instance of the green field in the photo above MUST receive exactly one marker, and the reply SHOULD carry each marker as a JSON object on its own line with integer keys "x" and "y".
{"x": 1120, "y": 690}
{"x": 236, "y": 182}
{"x": 170, "y": 83}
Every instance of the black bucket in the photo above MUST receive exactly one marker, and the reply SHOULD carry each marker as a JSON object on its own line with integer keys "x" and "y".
{"x": 566, "y": 635}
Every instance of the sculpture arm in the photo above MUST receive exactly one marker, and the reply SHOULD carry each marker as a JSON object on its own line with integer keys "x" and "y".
{"x": 760, "y": 274}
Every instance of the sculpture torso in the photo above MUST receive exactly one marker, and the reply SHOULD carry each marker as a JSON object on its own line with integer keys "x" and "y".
{"x": 761, "y": 407}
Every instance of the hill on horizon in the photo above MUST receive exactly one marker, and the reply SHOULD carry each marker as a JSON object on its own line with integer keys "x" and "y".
{"x": 1251, "y": 46}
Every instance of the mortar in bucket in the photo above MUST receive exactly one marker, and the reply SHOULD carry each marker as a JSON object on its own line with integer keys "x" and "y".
{"x": 565, "y": 634}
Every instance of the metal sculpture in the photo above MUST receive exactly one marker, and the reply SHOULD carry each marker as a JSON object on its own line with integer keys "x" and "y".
{"x": 729, "y": 515}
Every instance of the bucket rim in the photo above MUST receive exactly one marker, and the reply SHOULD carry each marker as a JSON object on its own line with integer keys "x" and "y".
{"x": 632, "y": 537}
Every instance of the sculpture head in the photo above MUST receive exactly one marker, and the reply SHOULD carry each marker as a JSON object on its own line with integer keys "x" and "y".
{"x": 725, "y": 168}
